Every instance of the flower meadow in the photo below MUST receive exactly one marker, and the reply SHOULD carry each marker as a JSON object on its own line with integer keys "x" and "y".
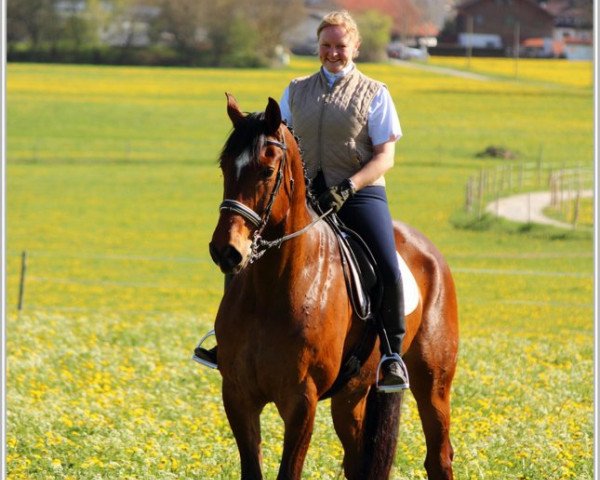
{"x": 112, "y": 192}
{"x": 574, "y": 73}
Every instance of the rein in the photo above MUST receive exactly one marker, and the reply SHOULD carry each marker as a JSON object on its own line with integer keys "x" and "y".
{"x": 260, "y": 245}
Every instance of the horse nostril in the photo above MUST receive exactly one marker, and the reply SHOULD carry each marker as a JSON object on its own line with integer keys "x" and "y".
{"x": 227, "y": 259}
{"x": 230, "y": 258}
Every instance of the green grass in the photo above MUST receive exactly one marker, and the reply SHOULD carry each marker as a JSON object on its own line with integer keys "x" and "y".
{"x": 565, "y": 212}
{"x": 113, "y": 188}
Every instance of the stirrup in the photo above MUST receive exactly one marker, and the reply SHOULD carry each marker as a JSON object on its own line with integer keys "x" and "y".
{"x": 392, "y": 388}
{"x": 200, "y": 360}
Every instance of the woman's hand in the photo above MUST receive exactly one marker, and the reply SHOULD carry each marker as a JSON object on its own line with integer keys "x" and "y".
{"x": 334, "y": 197}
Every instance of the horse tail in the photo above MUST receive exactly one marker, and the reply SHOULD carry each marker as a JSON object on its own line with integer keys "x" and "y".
{"x": 380, "y": 434}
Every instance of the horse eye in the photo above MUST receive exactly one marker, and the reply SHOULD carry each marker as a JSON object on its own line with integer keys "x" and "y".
{"x": 266, "y": 173}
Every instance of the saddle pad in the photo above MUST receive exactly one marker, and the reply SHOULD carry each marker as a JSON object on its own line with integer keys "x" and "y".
{"x": 412, "y": 295}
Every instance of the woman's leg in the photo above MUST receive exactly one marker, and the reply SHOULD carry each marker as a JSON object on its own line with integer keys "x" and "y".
{"x": 367, "y": 213}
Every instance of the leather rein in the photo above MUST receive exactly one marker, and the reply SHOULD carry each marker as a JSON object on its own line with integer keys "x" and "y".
{"x": 260, "y": 245}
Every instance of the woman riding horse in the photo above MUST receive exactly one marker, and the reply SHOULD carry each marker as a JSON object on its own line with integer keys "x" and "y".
{"x": 286, "y": 324}
{"x": 348, "y": 126}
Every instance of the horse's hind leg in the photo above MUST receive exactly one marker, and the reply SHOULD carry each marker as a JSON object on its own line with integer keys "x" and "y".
{"x": 430, "y": 385}
{"x": 244, "y": 418}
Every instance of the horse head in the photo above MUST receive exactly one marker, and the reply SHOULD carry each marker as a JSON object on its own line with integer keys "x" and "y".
{"x": 259, "y": 161}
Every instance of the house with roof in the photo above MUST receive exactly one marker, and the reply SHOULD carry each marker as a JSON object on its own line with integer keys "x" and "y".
{"x": 501, "y": 24}
{"x": 552, "y": 28}
{"x": 573, "y": 27}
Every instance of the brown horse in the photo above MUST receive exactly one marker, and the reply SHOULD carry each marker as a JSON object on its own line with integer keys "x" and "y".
{"x": 286, "y": 324}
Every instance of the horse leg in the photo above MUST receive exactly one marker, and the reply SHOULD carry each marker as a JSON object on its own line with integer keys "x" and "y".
{"x": 348, "y": 414}
{"x": 298, "y": 413}
{"x": 244, "y": 419}
{"x": 367, "y": 426}
{"x": 430, "y": 385}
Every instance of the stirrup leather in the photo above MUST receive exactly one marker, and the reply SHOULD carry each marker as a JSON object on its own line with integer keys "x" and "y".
{"x": 391, "y": 388}
{"x": 200, "y": 360}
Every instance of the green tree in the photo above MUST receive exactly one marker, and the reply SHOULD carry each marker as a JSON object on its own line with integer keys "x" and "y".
{"x": 232, "y": 32}
{"x": 235, "y": 44}
{"x": 270, "y": 20}
{"x": 184, "y": 20}
{"x": 375, "y": 29}
{"x": 32, "y": 21}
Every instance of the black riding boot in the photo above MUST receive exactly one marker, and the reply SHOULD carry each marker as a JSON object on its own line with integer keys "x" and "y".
{"x": 205, "y": 356}
{"x": 395, "y": 374}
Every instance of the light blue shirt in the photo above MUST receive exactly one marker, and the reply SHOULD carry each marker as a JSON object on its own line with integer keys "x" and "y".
{"x": 383, "y": 123}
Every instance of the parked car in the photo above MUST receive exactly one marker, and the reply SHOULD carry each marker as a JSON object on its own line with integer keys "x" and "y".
{"x": 403, "y": 52}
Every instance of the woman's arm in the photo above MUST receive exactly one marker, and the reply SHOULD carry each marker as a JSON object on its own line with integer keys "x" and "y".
{"x": 382, "y": 161}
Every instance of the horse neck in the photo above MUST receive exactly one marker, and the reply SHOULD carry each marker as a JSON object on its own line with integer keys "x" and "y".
{"x": 299, "y": 215}
{"x": 283, "y": 260}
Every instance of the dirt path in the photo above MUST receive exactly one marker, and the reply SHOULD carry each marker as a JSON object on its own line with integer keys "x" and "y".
{"x": 529, "y": 207}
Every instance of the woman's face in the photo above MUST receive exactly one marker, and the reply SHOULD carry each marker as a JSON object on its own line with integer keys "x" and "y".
{"x": 336, "y": 48}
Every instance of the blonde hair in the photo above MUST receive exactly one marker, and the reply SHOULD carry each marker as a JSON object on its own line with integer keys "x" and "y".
{"x": 343, "y": 19}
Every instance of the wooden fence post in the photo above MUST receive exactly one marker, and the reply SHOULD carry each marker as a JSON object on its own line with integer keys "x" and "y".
{"x": 480, "y": 195}
{"x": 22, "y": 279}
{"x": 576, "y": 209}
{"x": 469, "y": 196}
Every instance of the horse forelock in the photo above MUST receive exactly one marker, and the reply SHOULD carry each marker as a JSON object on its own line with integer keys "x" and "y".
{"x": 245, "y": 142}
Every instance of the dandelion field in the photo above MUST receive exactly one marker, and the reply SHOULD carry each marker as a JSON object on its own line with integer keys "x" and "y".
{"x": 112, "y": 190}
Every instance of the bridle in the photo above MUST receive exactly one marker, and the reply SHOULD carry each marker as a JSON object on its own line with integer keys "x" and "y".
{"x": 260, "y": 245}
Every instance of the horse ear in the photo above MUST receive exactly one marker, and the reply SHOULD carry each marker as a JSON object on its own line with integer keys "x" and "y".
{"x": 272, "y": 116}
{"x": 233, "y": 110}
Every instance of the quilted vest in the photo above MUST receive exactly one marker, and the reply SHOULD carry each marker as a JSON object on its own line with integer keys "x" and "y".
{"x": 332, "y": 123}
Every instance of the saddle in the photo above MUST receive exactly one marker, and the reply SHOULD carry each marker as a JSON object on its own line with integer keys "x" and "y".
{"x": 360, "y": 270}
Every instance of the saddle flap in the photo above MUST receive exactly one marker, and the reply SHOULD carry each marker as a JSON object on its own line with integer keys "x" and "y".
{"x": 360, "y": 270}
{"x": 364, "y": 262}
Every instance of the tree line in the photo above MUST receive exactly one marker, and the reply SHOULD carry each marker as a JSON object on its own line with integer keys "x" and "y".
{"x": 220, "y": 33}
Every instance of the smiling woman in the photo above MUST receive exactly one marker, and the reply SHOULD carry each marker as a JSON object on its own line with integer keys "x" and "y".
{"x": 339, "y": 41}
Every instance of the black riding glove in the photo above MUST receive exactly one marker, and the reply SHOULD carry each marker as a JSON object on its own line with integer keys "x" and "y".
{"x": 334, "y": 197}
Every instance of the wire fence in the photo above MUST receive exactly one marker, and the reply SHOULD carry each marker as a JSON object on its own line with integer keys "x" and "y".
{"x": 96, "y": 280}
{"x": 566, "y": 184}
{"x": 47, "y": 282}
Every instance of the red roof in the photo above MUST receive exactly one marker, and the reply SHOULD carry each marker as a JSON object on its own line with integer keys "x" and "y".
{"x": 577, "y": 41}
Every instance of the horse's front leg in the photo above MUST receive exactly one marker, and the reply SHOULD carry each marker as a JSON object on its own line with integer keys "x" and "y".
{"x": 298, "y": 413}
{"x": 244, "y": 418}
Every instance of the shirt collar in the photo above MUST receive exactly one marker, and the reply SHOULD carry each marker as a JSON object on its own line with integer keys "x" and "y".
{"x": 332, "y": 77}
